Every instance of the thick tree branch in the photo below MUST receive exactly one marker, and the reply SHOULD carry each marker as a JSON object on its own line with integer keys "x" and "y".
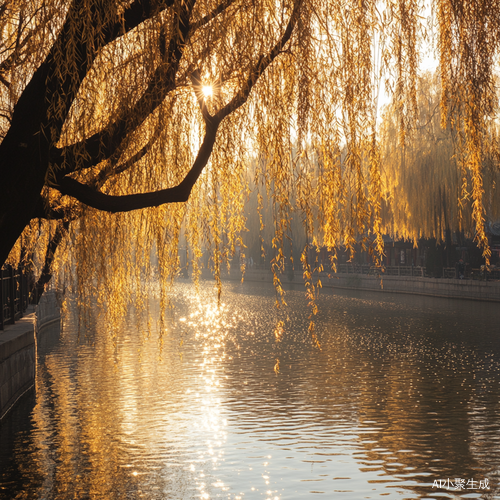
{"x": 162, "y": 83}
{"x": 180, "y": 193}
{"x": 138, "y": 12}
{"x": 263, "y": 63}
{"x": 106, "y": 143}
{"x": 45, "y": 83}
{"x": 113, "y": 204}
{"x": 112, "y": 170}
{"x": 26, "y": 145}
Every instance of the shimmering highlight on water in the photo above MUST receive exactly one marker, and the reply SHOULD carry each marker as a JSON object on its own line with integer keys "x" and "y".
{"x": 404, "y": 391}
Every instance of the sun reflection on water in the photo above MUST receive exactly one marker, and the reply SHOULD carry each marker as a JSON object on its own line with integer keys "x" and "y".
{"x": 210, "y": 331}
{"x": 231, "y": 410}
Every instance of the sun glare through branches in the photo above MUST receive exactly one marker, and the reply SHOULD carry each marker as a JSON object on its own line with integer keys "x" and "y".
{"x": 207, "y": 91}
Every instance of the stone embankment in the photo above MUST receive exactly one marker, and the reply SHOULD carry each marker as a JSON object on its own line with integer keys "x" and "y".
{"x": 18, "y": 350}
{"x": 435, "y": 287}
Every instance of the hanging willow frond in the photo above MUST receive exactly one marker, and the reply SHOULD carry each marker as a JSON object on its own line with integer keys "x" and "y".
{"x": 149, "y": 125}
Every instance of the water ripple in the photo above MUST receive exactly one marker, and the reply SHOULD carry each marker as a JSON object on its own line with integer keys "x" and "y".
{"x": 404, "y": 392}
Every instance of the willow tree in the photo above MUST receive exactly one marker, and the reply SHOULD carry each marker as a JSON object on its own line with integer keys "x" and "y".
{"x": 424, "y": 178}
{"x": 123, "y": 119}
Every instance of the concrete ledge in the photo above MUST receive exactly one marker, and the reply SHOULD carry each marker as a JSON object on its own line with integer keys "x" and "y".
{"x": 17, "y": 361}
{"x": 17, "y": 337}
{"x": 434, "y": 287}
{"x": 18, "y": 351}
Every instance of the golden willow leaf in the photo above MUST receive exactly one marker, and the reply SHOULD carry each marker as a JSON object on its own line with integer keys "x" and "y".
{"x": 279, "y": 330}
{"x": 277, "y": 366}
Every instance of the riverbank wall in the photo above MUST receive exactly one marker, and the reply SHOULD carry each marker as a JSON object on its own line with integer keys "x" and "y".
{"x": 18, "y": 350}
{"x": 434, "y": 287}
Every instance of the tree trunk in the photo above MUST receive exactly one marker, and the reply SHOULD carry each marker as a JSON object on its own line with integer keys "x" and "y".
{"x": 23, "y": 164}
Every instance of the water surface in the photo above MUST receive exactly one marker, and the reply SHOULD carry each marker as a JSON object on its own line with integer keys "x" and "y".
{"x": 239, "y": 402}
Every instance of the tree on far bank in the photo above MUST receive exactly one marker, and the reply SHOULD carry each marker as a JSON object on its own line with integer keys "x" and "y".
{"x": 424, "y": 178}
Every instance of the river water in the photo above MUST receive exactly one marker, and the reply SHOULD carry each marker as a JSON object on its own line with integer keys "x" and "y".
{"x": 397, "y": 397}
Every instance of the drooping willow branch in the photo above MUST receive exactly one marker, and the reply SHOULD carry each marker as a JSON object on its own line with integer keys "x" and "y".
{"x": 106, "y": 143}
{"x": 126, "y": 203}
{"x": 116, "y": 104}
{"x": 115, "y": 169}
{"x": 212, "y": 15}
{"x": 180, "y": 193}
{"x": 132, "y": 17}
{"x": 46, "y": 274}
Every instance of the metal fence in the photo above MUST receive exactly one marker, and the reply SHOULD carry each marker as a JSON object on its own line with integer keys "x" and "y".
{"x": 14, "y": 295}
{"x": 493, "y": 273}
{"x": 483, "y": 274}
{"x": 387, "y": 270}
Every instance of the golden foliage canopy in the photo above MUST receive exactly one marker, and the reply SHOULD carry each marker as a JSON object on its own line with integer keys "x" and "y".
{"x": 422, "y": 182}
{"x": 106, "y": 131}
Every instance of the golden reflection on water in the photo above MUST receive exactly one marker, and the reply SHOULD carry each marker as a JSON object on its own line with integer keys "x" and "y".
{"x": 109, "y": 434}
{"x": 208, "y": 323}
{"x": 237, "y": 403}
